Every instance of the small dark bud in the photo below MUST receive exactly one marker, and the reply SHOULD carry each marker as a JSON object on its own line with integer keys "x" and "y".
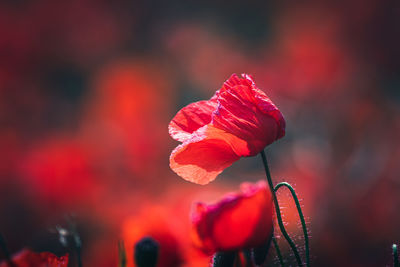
{"x": 260, "y": 253}
{"x": 146, "y": 252}
{"x": 224, "y": 259}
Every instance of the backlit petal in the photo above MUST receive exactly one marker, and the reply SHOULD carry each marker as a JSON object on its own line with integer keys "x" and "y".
{"x": 238, "y": 121}
{"x": 205, "y": 155}
{"x": 247, "y": 112}
{"x": 191, "y": 118}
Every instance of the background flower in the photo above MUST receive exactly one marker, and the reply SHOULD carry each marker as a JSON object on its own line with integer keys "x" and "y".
{"x": 238, "y": 221}
{"x": 28, "y": 258}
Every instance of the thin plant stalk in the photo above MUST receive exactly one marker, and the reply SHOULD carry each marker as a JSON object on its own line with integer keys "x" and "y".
{"x": 5, "y": 251}
{"x": 77, "y": 240}
{"x": 121, "y": 254}
{"x": 79, "y": 255}
{"x": 78, "y": 246}
{"x": 237, "y": 260}
{"x": 278, "y": 212}
{"x": 395, "y": 256}
{"x": 278, "y": 251}
{"x": 247, "y": 257}
{"x": 303, "y": 222}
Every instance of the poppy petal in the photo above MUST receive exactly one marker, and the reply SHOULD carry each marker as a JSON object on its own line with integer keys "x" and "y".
{"x": 245, "y": 111}
{"x": 28, "y": 258}
{"x": 239, "y": 221}
{"x": 191, "y": 118}
{"x": 238, "y": 121}
{"x": 262, "y": 101}
{"x": 205, "y": 155}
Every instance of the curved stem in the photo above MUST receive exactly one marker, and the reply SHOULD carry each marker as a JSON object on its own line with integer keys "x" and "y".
{"x": 395, "y": 256}
{"x": 278, "y": 212}
{"x": 303, "y": 222}
{"x": 278, "y": 251}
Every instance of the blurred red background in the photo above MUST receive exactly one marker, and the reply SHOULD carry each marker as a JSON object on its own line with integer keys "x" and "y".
{"x": 87, "y": 89}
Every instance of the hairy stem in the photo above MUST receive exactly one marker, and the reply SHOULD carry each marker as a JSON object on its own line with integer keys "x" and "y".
{"x": 278, "y": 251}
{"x": 278, "y": 211}
{"x": 303, "y": 222}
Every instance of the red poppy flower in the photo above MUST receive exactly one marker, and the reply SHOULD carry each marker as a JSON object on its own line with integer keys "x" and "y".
{"x": 122, "y": 91}
{"x": 238, "y": 121}
{"x": 240, "y": 220}
{"x": 59, "y": 171}
{"x": 28, "y": 258}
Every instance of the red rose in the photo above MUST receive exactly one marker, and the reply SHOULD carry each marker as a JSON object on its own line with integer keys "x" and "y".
{"x": 239, "y": 221}
{"x": 238, "y": 121}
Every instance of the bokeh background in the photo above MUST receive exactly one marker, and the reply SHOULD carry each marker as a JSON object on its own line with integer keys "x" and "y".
{"x": 88, "y": 87}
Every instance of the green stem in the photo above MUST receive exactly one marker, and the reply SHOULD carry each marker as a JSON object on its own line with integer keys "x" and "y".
{"x": 278, "y": 212}
{"x": 237, "y": 260}
{"x": 77, "y": 240}
{"x": 278, "y": 251}
{"x": 78, "y": 249}
{"x": 395, "y": 256}
{"x": 303, "y": 222}
{"x": 247, "y": 257}
{"x": 121, "y": 254}
{"x": 4, "y": 248}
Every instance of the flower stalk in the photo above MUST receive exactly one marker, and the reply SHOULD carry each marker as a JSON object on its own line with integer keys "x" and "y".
{"x": 303, "y": 222}
{"x": 121, "y": 254}
{"x": 278, "y": 251}
{"x": 278, "y": 212}
{"x": 6, "y": 252}
{"x": 395, "y": 256}
{"x": 247, "y": 256}
{"x": 77, "y": 240}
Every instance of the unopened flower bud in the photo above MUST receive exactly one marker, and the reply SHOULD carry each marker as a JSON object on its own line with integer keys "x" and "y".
{"x": 224, "y": 259}
{"x": 146, "y": 252}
